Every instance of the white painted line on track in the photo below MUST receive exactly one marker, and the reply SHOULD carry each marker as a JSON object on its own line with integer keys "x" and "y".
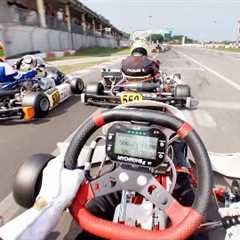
{"x": 183, "y": 69}
{"x": 204, "y": 119}
{"x": 225, "y": 79}
{"x": 226, "y": 105}
{"x": 189, "y": 117}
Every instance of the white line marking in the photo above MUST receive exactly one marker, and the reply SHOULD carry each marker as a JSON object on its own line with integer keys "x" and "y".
{"x": 204, "y": 119}
{"x": 183, "y": 69}
{"x": 189, "y": 117}
{"x": 225, "y": 79}
{"x": 220, "y": 105}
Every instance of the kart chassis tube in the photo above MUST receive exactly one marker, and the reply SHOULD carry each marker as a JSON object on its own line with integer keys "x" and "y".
{"x": 204, "y": 176}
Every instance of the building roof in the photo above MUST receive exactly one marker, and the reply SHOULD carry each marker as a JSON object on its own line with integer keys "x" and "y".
{"x": 83, "y": 8}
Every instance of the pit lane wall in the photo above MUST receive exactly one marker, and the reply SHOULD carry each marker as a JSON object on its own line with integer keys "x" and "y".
{"x": 19, "y": 39}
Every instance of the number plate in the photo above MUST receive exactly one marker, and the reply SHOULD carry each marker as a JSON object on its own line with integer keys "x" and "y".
{"x": 56, "y": 98}
{"x": 131, "y": 97}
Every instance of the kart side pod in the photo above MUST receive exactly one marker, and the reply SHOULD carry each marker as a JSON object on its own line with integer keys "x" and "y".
{"x": 29, "y": 179}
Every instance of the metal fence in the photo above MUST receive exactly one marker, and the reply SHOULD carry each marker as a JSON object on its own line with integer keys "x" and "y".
{"x": 75, "y": 28}
{"x": 54, "y": 23}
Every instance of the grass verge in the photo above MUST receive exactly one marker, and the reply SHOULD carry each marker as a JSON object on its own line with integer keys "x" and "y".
{"x": 229, "y": 49}
{"x": 67, "y": 69}
{"x": 95, "y": 52}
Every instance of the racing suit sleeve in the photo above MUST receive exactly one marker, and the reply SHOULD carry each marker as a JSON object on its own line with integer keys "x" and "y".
{"x": 8, "y": 73}
{"x": 32, "y": 223}
{"x": 25, "y": 75}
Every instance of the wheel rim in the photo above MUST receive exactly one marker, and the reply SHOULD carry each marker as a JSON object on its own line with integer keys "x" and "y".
{"x": 44, "y": 104}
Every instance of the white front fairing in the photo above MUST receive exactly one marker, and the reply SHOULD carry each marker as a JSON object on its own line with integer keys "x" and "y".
{"x": 64, "y": 90}
{"x": 58, "y": 94}
{"x": 227, "y": 164}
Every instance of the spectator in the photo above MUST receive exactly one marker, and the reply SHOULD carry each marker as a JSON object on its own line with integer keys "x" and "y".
{"x": 60, "y": 15}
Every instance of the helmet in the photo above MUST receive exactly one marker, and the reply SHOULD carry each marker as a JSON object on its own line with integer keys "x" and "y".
{"x": 27, "y": 63}
{"x": 140, "y": 47}
{"x": 2, "y": 52}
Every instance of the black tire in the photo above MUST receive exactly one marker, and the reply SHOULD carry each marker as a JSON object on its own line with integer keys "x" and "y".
{"x": 95, "y": 89}
{"x": 40, "y": 103}
{"x": 77, "y": 85}
{"x": 182, "y": 91}
{"x": 28, "y": 180}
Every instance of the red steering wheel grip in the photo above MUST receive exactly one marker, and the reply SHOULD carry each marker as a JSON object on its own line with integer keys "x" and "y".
{"x": 110, "y": 230}
{"x": 184, "y": 221}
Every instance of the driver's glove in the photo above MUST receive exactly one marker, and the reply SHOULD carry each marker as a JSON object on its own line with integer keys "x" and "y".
{"x": 59, "y": 185}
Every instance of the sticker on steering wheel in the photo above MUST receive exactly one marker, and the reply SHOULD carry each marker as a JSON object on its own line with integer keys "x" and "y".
{"x": 126, "y": 97}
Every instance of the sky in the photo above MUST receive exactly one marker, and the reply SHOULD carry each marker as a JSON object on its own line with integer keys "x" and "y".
{"x": 199, "y": 19}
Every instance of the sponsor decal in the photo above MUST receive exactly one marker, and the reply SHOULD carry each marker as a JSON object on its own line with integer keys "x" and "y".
{"x": 131, "y": 160}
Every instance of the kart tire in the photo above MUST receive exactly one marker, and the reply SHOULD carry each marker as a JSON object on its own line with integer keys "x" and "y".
{"x": 95, "y": 89}
{"x": 28, "y": 180}
{"x": 77, "y": 85}
{"x": 40, "y": 103}
{"x": 182, "y": 91}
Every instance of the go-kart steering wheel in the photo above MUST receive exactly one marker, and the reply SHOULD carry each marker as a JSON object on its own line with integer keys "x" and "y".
{"x": 184, "y": 220}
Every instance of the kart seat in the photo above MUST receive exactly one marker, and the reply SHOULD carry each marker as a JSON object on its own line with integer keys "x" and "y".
{"x": 7, "y": 93}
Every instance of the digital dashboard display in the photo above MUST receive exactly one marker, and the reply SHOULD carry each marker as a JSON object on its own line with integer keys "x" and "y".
{"x": 136, "y": 146}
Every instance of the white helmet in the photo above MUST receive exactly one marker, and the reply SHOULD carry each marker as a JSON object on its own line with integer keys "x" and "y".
{"x": 28, "y": 62}
{"x": 140, "y": 47}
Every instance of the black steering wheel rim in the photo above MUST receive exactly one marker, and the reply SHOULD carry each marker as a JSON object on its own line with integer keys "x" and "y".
{"x": 203, "y": 166}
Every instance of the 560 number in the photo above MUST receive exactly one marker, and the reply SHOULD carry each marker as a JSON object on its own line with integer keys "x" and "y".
{"x": 131, "y": 97}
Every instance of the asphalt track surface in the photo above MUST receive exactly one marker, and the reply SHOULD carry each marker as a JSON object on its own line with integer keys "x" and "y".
{"x": 214, "y": 80}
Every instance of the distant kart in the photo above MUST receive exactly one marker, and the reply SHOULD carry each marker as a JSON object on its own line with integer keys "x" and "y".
{"x": 117, "y": 88}
{"x": 34, "y": 98}
{"x": 161, "y": 48}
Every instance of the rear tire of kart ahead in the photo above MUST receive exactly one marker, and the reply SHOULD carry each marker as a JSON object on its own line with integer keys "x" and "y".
{"x": 40, "y": 103}
{"x": 28, "y": 180}
{"x": 77, "y": 85}
{"x": 95, "y": 89}
{"x": 182, "y": 91}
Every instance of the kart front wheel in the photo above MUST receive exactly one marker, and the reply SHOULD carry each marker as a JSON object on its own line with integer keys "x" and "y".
{"x": 77, "y": 85}
{"x": 28, "y": 180}
{"x": 40, "y": 103}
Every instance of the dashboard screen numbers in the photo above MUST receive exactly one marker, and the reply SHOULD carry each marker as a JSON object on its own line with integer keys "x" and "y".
{"x": 136, "y": 146}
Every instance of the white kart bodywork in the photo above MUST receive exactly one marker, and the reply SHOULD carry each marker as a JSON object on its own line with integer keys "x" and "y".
{"x": 64, "y": 91}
